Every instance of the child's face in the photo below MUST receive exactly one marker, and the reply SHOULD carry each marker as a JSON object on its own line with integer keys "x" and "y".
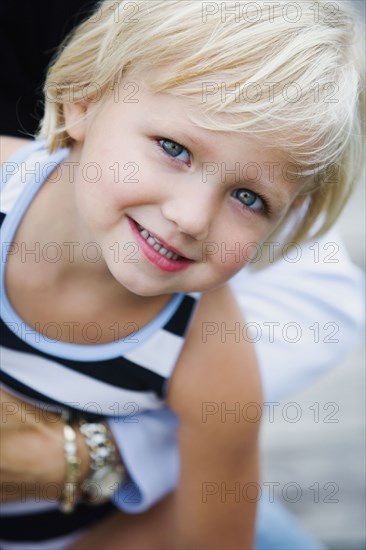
{"x": 209, "y": 196}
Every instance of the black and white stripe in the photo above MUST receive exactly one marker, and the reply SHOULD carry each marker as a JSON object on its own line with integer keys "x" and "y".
{"x": 93, "y": 379}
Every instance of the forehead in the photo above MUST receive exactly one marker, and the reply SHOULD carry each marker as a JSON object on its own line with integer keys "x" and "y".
{"x": 190, "y": 119}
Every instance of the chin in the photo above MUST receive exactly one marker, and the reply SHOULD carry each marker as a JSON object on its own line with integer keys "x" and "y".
{"x": 142, "y": 288}
{"x": 146, "y": 293}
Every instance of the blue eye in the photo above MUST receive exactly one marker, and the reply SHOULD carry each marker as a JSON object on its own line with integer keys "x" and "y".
{"x": 174, "y": 150}
{"x": 250, "y": 199}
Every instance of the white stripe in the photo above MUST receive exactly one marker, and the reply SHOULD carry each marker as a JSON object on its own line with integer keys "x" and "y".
{"x": 41, "y": 404}
{"x": 20, "y": 179}
{"x": 162, "y": 345}
{"x": 73, "y": 388}
{"x": 28, "y": 507}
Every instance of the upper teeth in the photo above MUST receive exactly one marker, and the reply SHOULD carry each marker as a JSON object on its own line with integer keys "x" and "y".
{"x": 156, "y": 245}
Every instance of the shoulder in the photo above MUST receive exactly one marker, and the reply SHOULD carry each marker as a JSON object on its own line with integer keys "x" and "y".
{"x": 10, "y": 145}
{"x": 214, "y": 381}
{"x": 216, "y": 368}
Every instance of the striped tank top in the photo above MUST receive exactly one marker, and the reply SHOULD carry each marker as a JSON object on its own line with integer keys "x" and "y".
{"x": 117, "y": 379}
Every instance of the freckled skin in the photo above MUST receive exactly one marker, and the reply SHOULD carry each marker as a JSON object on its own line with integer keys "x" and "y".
{"x": 200, "y": 213}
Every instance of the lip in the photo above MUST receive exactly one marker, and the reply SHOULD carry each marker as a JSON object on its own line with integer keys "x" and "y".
{"x": 166, "y": 245}
{"x": 160, "y": 261}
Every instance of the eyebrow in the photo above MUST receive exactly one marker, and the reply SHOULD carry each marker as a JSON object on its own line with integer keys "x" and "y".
{"x": 188, "y": 141}
{"x": 181, "y": 135}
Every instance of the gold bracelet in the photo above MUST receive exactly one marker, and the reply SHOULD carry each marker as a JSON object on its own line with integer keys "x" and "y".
{"x": 106, "y": 471}
{"x": 69, "y": 494}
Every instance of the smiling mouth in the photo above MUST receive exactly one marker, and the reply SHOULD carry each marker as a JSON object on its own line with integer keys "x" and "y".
{"x": 158, "y": 246}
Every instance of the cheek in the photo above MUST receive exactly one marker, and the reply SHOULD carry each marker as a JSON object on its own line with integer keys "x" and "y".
{"x": 226, "y": 259}
{"x": 228, "y": 263}
{"x": 229, "y": 255}
{"x": 97, "y": 201}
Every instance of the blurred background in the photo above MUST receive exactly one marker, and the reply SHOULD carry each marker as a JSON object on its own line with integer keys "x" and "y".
{"x": 326, "y": 459}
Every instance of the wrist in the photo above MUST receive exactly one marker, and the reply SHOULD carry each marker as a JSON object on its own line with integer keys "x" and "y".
{"x": 52, "y": 467}
{"x": 75, "y": 462}
{"x": 69, "y": 493}
{"x": 53, "y": 439}
{"x": 84, "y": 456}
{"x": 92, "y": 468}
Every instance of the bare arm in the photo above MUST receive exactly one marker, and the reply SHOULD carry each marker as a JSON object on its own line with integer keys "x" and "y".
{"x": 218, "y": 449}
{"x": 214, "y": 504}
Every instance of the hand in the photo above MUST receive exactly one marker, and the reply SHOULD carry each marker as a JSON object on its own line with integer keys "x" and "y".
{"x": 32, "y": 462}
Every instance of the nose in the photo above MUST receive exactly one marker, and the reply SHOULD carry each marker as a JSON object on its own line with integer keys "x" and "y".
{"x": 192, "y": 212}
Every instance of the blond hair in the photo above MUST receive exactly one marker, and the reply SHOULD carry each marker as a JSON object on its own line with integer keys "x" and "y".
{"x": 291, "y": 72}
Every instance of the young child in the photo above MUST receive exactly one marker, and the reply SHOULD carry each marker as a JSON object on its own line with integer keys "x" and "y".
{"x": 179, "y": 136}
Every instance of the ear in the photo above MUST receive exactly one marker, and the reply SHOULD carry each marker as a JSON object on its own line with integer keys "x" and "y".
{"x": 75, "y": 120}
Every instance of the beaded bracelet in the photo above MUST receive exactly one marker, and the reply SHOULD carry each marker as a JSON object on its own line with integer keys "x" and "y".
{"x": 106, "y": 471}
{"x": 69, "y": 494}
